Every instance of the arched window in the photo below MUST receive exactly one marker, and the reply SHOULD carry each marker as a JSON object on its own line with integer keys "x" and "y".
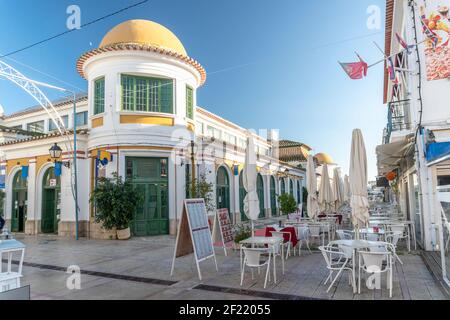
{"x": 19, "y": 182}
{"x": 223, "y": 189}
{"x": 260, "y": 191}
{"x": 273, "y": 196}
{"x": 283, "y": 186}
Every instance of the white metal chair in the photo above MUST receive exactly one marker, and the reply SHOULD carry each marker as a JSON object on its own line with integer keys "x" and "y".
{"x": 403, "y": 229}
{"x": 344, "y": 234}
{"x": 287, "y": 244}
{"x": 315, "y": 232}
{"x": 303, "y": 236}
{"x": 393, "y": 238}
{"x": 373, "y": 263}
{"x": 337, "y": 261}
{"x": 252, "y": 259}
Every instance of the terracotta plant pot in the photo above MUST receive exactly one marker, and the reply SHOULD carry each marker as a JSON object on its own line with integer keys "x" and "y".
{"x": 124, "y": 234}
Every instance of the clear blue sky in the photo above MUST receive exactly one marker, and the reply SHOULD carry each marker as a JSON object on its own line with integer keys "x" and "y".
{"x": 271, "y": 63}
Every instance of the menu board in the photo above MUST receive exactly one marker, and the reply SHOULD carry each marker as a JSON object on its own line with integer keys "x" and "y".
{"x": 198, "y": 221}
{"x": 194, "y": 235}
{"x": 225, "y": 225}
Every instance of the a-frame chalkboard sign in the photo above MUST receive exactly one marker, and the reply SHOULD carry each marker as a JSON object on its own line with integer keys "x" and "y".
{"x": 194, "y": 235}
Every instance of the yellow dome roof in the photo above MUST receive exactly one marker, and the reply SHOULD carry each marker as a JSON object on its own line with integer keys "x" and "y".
{"x": 324, "y": 158}
{"x": 143, "y": 32}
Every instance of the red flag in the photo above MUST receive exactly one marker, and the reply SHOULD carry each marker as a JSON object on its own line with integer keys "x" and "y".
{"x": 355, "y": 70}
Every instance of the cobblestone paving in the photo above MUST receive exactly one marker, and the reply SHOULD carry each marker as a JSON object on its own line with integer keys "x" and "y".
{"x": 134, "y": 269}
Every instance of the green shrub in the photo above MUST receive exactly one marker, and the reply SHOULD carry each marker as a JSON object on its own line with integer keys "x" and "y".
{"x": 242, "y": 232}
{"x": 287, "y": 203}
{"x": 115, "y": 202}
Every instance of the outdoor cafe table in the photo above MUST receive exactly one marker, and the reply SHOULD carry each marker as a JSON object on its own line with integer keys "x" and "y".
{"x": 270, "y": 242}
{"x": 411, "y": 226}
{"x": 286, "y": 231}
{"x": 355, "y": 245}
{"x": 372, "y": 230}
{"x": 8, "y": 248}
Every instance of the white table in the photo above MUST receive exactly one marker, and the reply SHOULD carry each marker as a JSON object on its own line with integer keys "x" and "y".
{"x": 11, "y": 279}
{"x": 411, "y": 227}
{"x": 269, "y": 241}
{"x": 355, "y": 245}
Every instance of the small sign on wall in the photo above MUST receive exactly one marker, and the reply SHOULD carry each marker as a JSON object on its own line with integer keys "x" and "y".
{"x": 52, "y": 182}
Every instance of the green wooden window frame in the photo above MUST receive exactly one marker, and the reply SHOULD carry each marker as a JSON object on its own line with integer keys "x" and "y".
{"x": 146, "y": 94}
{"x": 189, "y": 102}
{"x": 37, "y": 126}
{"x": 99, "y": 96}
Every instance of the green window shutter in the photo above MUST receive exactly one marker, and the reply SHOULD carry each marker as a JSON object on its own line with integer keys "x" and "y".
{"x": 99, "y": 96}
{"x": 189, "y": 102}
{"x": 147, "y": 94}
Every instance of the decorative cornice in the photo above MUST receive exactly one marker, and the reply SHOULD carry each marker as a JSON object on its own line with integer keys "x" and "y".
{"x": 140, "y": 47}
{"x": 42, "y": 137}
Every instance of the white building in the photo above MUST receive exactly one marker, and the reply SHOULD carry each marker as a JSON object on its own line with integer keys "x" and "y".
{"x": 418, "y": 109}
{"x": 141, "y": 108}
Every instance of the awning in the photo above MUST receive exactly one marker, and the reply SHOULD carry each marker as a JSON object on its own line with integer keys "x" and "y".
{"x": 390, "y": 154}
{"x": 438, "y": 152}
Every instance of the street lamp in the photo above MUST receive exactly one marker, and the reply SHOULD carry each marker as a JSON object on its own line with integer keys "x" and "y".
{"x": 55, "y": 152}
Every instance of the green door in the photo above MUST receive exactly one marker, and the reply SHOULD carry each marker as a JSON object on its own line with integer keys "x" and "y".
{"x": 242, "y": 194}
{"x": 273, "y": 197}
{"x": 51, "y": 200}
{"x": 150, "y": 177}
{"x": 19, "y": 203}
{"x": 260, "y": 191}
{"x": 223, "y": 190}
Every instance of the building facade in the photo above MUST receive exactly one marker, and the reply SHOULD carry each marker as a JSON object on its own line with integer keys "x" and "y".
{"x": 415, "y": 143}
{"x": 141, "y": 111}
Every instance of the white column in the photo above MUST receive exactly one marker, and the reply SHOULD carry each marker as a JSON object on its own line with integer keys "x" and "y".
{"x": 235, "y": 191}
{"x": 30, "y": 222}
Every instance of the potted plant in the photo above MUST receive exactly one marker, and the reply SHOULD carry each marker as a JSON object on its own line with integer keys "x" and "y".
{"x": 115, "y": 202}
{"x": 287, "y": 203}
{"x": 241, "y": 232}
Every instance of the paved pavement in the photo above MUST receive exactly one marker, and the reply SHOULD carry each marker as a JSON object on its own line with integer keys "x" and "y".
{"x": 140, "y": 269}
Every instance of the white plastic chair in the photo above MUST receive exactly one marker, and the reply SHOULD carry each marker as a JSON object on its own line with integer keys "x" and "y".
{"x": 303, "y": 236}
{"x": 393, "y": 238}
{"x": 287, "y": 245}
{"x": 315, "y": 232}
{"x": 252, "y": 259}
{"x": 372, "y": 263}
{"x": 337, "y": 261}
{"x": 403, "y": 229}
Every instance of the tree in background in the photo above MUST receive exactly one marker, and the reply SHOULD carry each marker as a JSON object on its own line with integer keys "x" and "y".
{"x": 287, "y": 203}
{"x": 202, "y": 189}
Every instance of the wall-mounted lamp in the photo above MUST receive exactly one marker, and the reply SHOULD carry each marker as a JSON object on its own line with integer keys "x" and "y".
{"x": 55, "y": 153}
